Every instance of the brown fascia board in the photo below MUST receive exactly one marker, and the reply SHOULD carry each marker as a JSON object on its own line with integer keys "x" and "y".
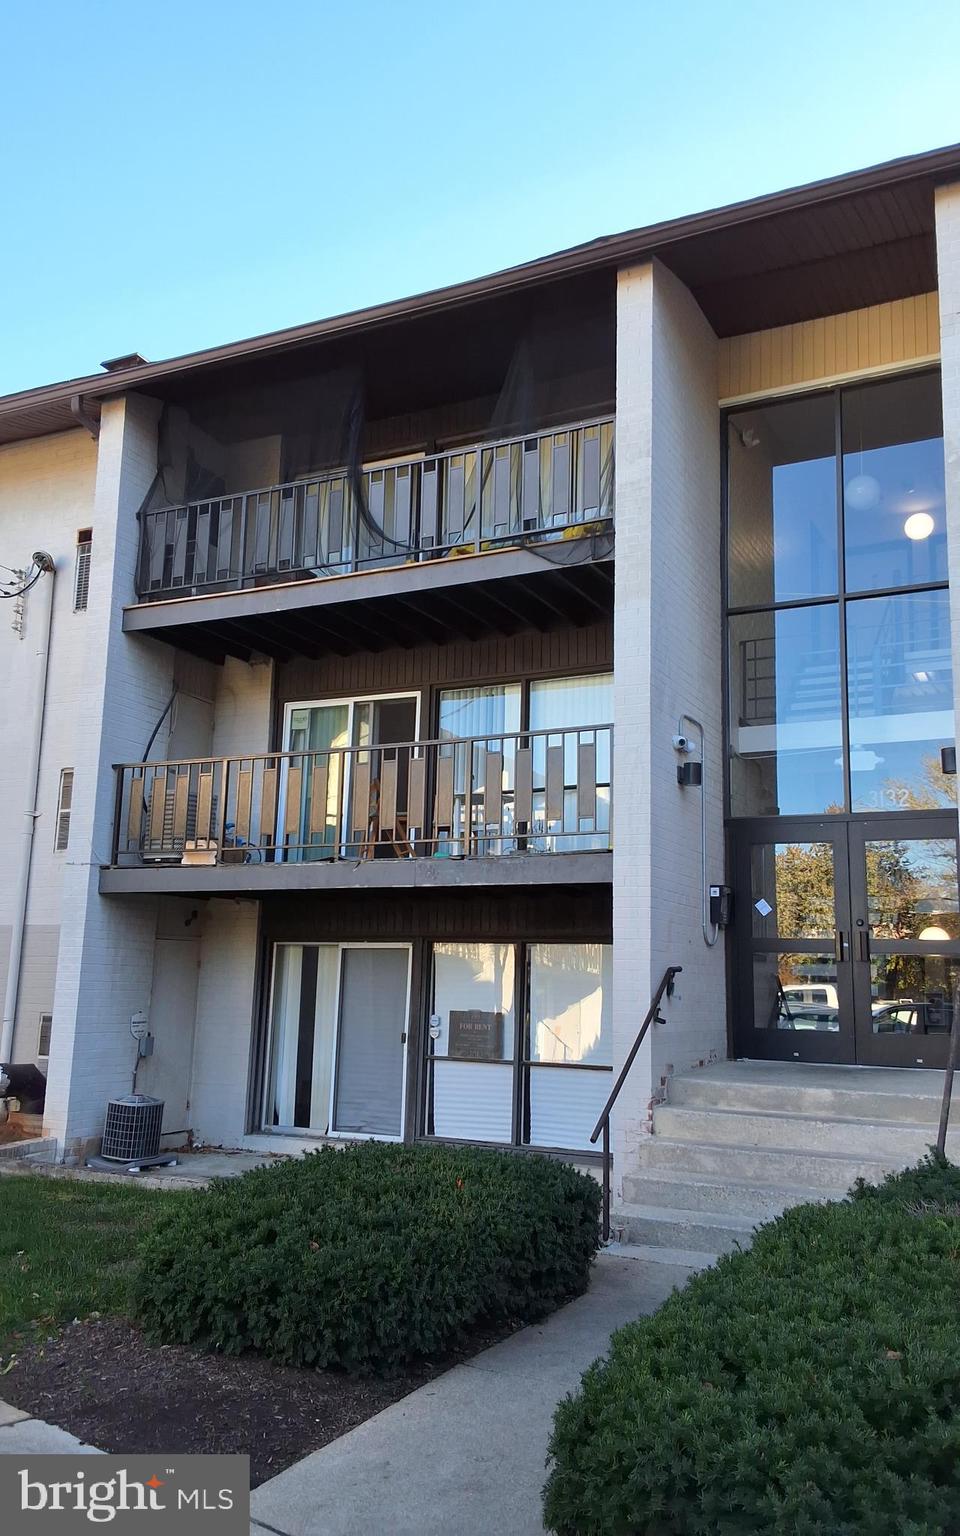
{"x": 606, "y": 251}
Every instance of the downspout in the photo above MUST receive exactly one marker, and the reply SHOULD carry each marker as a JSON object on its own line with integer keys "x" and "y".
{"x": 44, "y": 597}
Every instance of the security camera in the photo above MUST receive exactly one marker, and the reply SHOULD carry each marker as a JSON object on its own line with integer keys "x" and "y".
{"x": 683, "y": 743}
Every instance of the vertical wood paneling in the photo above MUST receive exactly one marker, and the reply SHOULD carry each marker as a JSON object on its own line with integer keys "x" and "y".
{"x": 492, "y": 657}
{"x": 831, "y": 346}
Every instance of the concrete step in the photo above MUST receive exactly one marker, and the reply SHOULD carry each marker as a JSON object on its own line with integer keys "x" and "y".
{"x": 859, "y": 1101}
{"x": 831, "y": 1173}
{"x": 659, "y": 1226}
{"x": 677, "y": 1258}
{"x": 738, "y": 1197}
{"x": 853, "y": 1137}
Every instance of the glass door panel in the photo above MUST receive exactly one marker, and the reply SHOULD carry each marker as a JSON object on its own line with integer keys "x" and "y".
{"x": 793, "y": 978}
{"x": 471, "y": 1043}
{"x": 906, "y": 932}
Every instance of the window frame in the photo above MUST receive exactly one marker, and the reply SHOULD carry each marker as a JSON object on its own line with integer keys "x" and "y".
{"x": 838, "y": 600}
{"x": 83, "y": 560}
{"x": 61, "y": 832}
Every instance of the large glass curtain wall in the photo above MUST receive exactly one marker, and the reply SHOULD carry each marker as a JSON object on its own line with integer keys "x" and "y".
{"x": 840, "y": 679}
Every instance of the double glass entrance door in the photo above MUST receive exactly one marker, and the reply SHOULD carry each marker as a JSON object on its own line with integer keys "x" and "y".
{"x": 848, "y": 939}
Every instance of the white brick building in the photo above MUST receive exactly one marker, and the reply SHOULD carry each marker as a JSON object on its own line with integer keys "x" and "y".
{"x": 358, "y": 775}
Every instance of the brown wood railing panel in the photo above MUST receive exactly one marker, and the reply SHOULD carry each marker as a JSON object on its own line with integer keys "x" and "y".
{"x": 205, "y": 800}
{"x": 244, "y": 802}
{"x": 587, "y": 781}
{"x": 493, "y": 789}
{"x": 292, "y": 810}
{"x": 388, "y": 796}
{"x": 268, "y": 802}
{"x": 443, "y": 814}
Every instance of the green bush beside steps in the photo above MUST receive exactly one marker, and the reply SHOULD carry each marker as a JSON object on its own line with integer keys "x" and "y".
{"x": 807, "y": 1387}
{"x": 369, "y": 1257}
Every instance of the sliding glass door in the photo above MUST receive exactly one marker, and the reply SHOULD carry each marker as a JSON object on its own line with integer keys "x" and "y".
{"x": 338, "y": 1036}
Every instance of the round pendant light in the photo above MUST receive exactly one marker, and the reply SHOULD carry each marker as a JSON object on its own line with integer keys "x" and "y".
{"x": 919, "y": 525}
{"x": 862, "y": 493}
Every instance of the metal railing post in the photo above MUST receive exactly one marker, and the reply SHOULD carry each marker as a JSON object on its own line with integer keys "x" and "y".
{"x": 952, "y": 1060}
{"x": 606, "y": 1178}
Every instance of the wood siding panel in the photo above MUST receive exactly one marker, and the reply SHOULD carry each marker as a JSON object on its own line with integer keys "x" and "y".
{"x": 492, "y": 658}
{"x": 560, "y": 916}
{"x": 830, "y": 347}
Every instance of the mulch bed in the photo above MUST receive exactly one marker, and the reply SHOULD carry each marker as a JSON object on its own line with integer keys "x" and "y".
{"x": 99, "y": 1380}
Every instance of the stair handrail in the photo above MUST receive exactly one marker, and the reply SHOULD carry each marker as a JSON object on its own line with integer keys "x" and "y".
{"x": 653, "y": 1016}
{"x": 953, "y": 1061}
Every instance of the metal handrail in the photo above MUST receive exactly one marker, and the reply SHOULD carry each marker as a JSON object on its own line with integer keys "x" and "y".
{"x": 653, "y": 1016}
{"x": 294, "y": 529}
{"x": 953, "y": 1061}
{"x": 491, "y": 793}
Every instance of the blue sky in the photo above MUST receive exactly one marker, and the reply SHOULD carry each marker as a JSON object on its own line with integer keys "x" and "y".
{"x": 190, "y": 173}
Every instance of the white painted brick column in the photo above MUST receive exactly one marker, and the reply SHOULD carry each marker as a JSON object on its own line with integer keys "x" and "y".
{"x": 947, "y": 206}
{"x": 106, "y": 949}
{"x": 667, "y": 660}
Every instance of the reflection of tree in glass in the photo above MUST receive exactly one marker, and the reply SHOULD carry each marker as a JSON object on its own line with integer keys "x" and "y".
{"x": 937, "y": 790}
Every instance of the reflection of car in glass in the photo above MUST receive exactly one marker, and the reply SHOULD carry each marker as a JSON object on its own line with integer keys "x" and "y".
{"x": 807, "y": 1016}
{"x": 906, "y": 1018}
{"x": 811, "y": 994}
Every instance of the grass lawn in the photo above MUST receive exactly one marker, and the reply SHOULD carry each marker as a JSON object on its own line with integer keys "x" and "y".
{"x": 66, "y": 1250}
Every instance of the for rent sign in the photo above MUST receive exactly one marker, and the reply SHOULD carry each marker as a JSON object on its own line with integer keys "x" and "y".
{"x": 153, "y": 1495}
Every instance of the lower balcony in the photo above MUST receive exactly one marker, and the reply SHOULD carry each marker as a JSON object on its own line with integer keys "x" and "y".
{"x": 531, "y": 807}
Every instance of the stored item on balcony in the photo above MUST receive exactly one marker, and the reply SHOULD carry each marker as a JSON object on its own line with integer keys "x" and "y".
{"x": 199, "y": 850}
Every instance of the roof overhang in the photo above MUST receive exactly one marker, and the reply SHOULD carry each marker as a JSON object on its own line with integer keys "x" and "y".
{"x": 830, "y": 245}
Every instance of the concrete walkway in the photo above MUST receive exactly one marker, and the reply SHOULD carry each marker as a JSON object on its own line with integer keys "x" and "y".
{"x": 20, "y": 1435}
{"x": 464, "y": 1455}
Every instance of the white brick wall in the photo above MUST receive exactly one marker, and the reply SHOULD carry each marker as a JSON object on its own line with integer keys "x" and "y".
{"x": 222, "y": 1039}
{"x": 106, "y": 951}
{"x": 46, "y": 496}
{"x": 667, "y": 649}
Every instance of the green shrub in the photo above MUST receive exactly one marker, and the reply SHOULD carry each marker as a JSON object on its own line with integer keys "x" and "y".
{"x": 369, "y": 1257}
{"x": 934, "y": 1182}
{"x": 808, "y": 1385}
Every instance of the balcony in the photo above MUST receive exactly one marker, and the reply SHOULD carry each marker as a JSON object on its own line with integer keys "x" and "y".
{"x": 530, "y": 807}
{"x": 329, "y": 564}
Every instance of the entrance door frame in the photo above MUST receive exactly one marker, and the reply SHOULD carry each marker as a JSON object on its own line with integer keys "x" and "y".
{"x": 855, "y": 1043}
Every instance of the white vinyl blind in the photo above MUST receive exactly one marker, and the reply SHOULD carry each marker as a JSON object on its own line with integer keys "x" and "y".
{"x": 64, "y": 804}
{"x": 81, "y": 575}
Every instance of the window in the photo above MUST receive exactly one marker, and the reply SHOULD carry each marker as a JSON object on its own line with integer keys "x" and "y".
{"x": 43, "y": 1036}
{"x": 543, "y": 1085}
{"x": 839, "y": 700}
{"x": 64, "y": 804}
{"x": 81, "y": 575}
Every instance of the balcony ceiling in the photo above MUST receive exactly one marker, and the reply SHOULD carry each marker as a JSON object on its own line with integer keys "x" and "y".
{"x": 439, "y": 601}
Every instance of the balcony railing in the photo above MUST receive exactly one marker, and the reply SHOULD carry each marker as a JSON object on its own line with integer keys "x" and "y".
{"x": 469, "y": 499}
{"x": 529, "y": 792}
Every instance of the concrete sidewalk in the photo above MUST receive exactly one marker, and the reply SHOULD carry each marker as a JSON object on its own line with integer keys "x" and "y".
{"x": 464, "y": 1455}
{"x": 21, "y": 1435}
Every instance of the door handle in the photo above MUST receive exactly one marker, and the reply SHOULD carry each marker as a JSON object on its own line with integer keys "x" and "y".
{"x": 839, "y": 943}
{"x": 863, "y": 943}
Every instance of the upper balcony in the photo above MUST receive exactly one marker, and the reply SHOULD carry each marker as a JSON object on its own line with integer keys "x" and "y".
{"x": 503, "y": 535}
{"x": 530, "y": 807}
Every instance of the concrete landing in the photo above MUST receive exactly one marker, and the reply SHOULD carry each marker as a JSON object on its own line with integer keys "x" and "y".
{"x": 20, "y": 1435}
{"x": 464, "y": 1455}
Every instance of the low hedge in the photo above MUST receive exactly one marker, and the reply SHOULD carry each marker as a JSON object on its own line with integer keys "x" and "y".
{"x": 808, "y": 1385}
{"x": 369, "y": 1257}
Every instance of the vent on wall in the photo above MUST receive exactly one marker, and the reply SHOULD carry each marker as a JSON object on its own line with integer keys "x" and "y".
{"x": 43, "y": 1036}
{"x": 81, "y": 575}
{"x": 64, "y": 804}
